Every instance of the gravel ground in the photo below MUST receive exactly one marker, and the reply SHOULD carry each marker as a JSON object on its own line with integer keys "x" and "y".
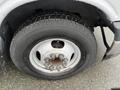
{"x": 102, "y": 76}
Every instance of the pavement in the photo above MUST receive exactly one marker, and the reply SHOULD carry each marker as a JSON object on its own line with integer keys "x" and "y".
{"x": 101, "y": 76}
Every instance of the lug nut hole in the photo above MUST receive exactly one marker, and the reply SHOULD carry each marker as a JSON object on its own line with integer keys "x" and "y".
{"x": 72, "y": 56}
{"x": 57, "y": 44}
{"x": 38, "y": 55}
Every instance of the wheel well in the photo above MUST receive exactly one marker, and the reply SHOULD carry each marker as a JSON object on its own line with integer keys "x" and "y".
{"x": 89, "y": 13}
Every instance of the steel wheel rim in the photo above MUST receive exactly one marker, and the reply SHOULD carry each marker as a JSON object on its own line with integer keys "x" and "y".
{"x": 55, "y": 56}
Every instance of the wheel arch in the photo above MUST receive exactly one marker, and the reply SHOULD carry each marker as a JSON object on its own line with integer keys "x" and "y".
{"x": 7, "y": 8}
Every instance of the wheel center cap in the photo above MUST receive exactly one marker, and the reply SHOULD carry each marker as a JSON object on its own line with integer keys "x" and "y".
{"x": 55, "y": 62}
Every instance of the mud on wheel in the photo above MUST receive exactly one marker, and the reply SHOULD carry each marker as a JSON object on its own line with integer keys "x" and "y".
{"x": 53, "y": 46}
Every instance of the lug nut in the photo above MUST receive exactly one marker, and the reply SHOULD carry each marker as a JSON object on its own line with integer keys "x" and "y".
{"x": 61, "y": 56}
{"x": 64, "y": 64}
{"x": 58, "y": 68}
{"x": 47, "y": 60}
{"x": 51, "y": 68}
{"x": 53, "y": 56}
{"x": 46, "y": 65}
{"x": 65, "y": 60}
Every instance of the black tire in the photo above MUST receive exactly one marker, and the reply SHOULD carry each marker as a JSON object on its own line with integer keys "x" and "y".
{"x": 40, "y": 30}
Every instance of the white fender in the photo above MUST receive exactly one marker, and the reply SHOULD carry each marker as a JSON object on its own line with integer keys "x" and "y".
{"x": 104, "y": 6}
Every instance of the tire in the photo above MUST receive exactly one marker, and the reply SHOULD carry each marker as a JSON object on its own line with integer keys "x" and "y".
{"x": 32, "y": 34}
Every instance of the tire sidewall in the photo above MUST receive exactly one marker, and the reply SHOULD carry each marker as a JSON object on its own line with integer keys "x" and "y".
{"x": 25, "y": 42}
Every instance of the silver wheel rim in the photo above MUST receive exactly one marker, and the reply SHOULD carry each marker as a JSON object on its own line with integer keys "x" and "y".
{"x": 55, "y": 56}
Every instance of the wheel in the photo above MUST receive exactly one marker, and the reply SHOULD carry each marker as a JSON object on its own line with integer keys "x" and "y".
{"x": 53, "y": 48}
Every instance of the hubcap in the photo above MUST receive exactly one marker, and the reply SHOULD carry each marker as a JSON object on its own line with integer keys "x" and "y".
{"x": 55, "y": 56}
